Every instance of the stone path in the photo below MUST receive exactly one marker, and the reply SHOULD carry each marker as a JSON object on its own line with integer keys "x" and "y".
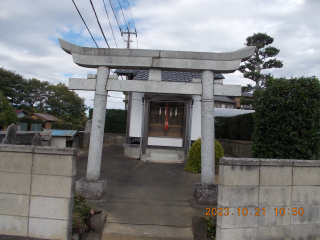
{"x": 146, "y": 200}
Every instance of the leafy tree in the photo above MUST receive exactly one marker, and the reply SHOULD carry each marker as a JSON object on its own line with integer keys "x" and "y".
{"x": 7, "y": 114}
{"x": 12, "y": 86}
{"x": 35, "y": 93}
{"x": 261, "y": 58}
{"x": 65, "y": 104}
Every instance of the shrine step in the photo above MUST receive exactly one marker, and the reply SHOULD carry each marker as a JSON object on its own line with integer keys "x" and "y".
{"x": 118, "y": 231}
{"x": 164, "y": 157}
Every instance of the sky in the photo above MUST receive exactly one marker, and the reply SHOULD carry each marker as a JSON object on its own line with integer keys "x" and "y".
{"x": 29, "y": 32}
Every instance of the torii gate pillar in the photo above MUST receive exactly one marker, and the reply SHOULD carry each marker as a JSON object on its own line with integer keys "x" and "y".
{"x": 92, "y": 187}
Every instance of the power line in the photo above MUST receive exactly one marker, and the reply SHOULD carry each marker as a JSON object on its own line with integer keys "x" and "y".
{"x": 110, "y": 23}
{"x": 125, "y": 21}
{"x": 115, "y": 13}
{"x": 85, "y": 23}
{"x": 99, "y": 23}
{"x": 131, "y": 15}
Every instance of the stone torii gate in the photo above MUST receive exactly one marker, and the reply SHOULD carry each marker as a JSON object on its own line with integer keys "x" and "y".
{"x": 103, "y": 59}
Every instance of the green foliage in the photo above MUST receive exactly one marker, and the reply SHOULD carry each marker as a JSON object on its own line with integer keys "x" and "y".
{"x": 12, "y": 86}
{"x": 116, "y": 121}
{"x": 67, "y": 126}
{"x": 260, "y": 60}
{"x": 65, "y": 104}
{"x": 29, "y": 120}
{"x": 35, "y": 94}
{"x": 194, "y": 160}
{"x": 81, "y": 211}
{"x": 239, "y": 127}
{"x": 287, "y": 119}
{"x": 7, "y": 114}
{"x": 211, "y": 227}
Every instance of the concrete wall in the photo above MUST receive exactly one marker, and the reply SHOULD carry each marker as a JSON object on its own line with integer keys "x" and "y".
{"x": 113, "y": 139}
{"x": 23, "y": 137}
{"x": 36, "y": 191}
{"x": 236, "y": 148}
{"x": 266, "y": 184}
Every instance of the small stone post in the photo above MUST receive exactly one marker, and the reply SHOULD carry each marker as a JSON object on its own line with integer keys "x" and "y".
{"x": 205, "y": 193}
{"x": 92, "y": 187}
{"x": 11, "y": 136}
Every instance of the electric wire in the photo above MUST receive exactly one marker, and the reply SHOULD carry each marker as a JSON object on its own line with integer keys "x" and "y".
{"x": 110, "y": 23}
{"x": 131, "y": 15}
{"x": 115, "y": 13}
{"x": 99, "y": 24}
{"x": 84, "y": 23}
{"x": 125, "y": 21}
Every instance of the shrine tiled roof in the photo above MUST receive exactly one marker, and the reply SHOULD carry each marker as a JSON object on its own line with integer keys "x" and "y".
{"x": 173, "y": 76}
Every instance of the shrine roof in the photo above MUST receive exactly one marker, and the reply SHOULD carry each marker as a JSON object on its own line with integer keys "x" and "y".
{"x": 169, "y": 76}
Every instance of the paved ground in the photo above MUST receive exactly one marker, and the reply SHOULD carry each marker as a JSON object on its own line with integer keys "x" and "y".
{"x": 145, "y": 199}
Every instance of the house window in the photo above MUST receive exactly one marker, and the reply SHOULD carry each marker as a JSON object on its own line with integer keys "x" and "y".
{"x": 217, "y": 105}
{"x": 175, "y": 116}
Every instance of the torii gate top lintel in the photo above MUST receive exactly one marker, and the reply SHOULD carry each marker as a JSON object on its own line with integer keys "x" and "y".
{"x": 226, "y": 62}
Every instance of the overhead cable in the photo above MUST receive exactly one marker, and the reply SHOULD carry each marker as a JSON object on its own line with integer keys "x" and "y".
{"x": 110, "y": 23}
{"x": 99, "y": 24}
{"x": 84, "y": 23}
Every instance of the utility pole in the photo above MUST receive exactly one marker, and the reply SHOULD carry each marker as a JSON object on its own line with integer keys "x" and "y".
{"x": 128, "y": 35}
{"x": 128, "y": 47}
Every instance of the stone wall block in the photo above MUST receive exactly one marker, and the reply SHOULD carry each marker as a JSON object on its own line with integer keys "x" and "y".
{"x": 306, "y": 195}
{"x": 271, "y": 175}
{"x": 274, "y": 195}
{"x": 238, "y": 196}
{"x": 54, "y": 208}
{"x": 236, "y": 233}
{"x": 15, "y": 183}
{"x": 13, "y": 225}
{"x": 306, "y": 176}
{"x": 48, "y": 229}
{"x": 15, "y": 162}
{"x": 63, "y": 165}
{"x": 239, "y": 175}
{"x": 16, "y": 148}
{"x": 233, "y": 220}
{"x": 305, "y": 231}
{"x": 13, "y": 204}
{"x": 52, "y": 186}
{"x": 267, "y": 233}
{"x": 270, "y": 219}
{"x": 56, "y": 150}
{"x": 311, "y": 214}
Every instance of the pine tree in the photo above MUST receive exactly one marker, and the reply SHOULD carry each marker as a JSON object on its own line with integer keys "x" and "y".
{"x": 261, "y": 58}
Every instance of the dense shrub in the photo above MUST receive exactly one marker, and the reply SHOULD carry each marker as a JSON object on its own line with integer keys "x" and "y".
{"x": 116, "y": 121}
{"x": 287, "y": 119}
{"x": 237, "y": 128}
{"x": 194, "y": 160}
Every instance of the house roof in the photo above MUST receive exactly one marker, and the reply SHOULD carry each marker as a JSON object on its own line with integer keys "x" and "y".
{"x": 173, "y": 76}
{"x": 246, "y": 94}
{"x": 61, "y": 133}
{"x": 17, "y": 111}
{"x": 46, "y": 117}
{"x": 224, "y": 99}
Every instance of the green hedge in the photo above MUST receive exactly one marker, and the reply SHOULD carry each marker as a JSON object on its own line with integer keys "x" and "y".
{"x": 239, "y": 127}
{"x": 287, "y": 119}
{"x": 116, "y": 120}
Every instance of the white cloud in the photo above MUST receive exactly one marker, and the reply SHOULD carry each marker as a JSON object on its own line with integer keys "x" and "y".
{"x": 29, "y": 32}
